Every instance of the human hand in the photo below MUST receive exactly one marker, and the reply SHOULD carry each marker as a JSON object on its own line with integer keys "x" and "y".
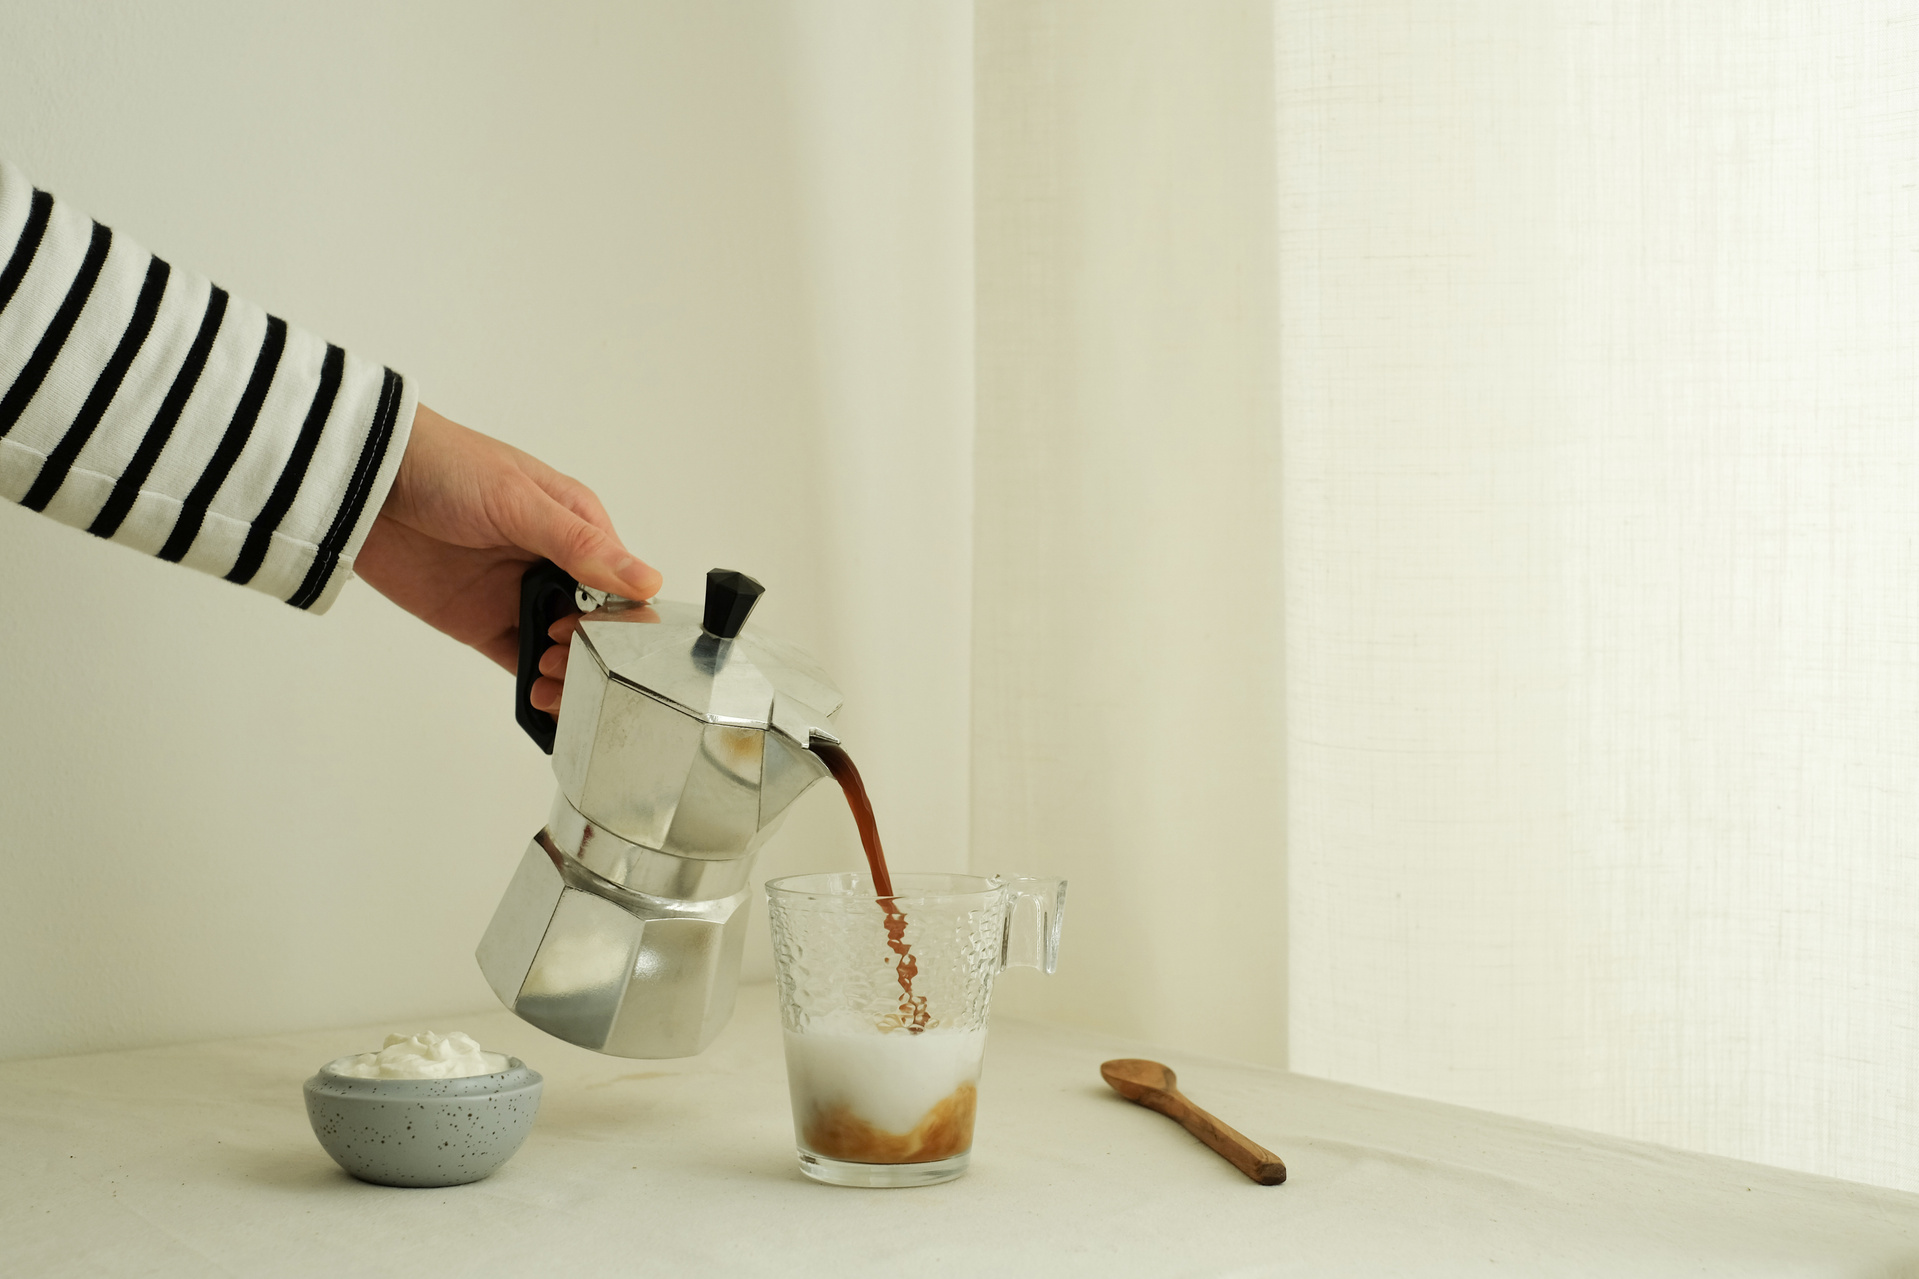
{"x": 466, "y": 515}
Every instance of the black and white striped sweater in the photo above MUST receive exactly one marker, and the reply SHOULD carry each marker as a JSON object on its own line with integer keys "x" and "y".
{"x": 145, "y": 404}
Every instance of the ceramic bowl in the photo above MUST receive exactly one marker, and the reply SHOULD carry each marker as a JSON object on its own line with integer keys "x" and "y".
{"x": 423, "y": 1132}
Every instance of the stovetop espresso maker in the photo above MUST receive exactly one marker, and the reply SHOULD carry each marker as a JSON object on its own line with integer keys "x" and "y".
{"x": 682, "y": 740}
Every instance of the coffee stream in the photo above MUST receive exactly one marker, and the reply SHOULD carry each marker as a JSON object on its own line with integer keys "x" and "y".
{"x": 913, "y": 1014}
{"x": 837, "y": 1132}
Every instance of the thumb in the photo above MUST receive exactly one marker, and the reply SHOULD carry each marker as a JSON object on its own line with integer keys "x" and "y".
{"x": 593, "y": 556}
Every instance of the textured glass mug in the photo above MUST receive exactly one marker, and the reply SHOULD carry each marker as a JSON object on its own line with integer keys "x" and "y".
{"x": 885, "y": 1087}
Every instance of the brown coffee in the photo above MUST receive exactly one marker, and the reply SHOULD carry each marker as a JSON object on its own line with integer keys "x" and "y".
{"x": 913, "y": 1014}
{"x": 945, "y": 1131}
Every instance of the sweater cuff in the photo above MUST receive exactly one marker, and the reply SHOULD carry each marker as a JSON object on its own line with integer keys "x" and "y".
{"x": 382, "y": 484}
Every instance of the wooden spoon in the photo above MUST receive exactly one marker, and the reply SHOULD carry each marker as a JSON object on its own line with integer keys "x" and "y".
{"x": 1156, "y": 1087}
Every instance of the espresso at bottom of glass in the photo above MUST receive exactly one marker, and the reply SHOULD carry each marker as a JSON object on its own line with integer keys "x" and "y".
{"x": 884, "y": 1109}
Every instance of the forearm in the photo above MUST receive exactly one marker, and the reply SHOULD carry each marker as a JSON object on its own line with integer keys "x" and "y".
{"x": 142, "y": 403}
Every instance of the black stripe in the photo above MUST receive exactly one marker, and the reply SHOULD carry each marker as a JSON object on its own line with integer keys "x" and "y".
{"x": 193, "y": 511}
{"x": 26, "y": 247}
{"x": 254, "y": 550}
{"x": 55, "y": 337}
{"x": 372, "y": 454}
{"x": 127, "y": 488}
{"x": 53, "y": 471}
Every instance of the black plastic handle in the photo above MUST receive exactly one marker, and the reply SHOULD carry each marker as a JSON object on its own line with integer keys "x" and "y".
{"x": 546, "y": 595}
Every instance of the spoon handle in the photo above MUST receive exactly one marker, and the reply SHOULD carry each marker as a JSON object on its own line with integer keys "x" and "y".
{"x": 1236, "y": 1148}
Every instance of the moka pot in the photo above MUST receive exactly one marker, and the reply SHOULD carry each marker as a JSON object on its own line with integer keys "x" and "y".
{"x": 682, "y": 740}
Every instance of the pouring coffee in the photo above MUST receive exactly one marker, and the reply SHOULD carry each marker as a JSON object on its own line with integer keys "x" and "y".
{"x": 683, "y": 739}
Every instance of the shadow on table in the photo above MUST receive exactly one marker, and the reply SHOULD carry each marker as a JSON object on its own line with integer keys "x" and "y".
{"x": 296, "y": 1170}
{"x": 608, "y": 1115}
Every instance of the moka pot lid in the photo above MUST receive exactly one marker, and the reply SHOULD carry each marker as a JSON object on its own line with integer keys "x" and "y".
{"x": 711, "y": 664}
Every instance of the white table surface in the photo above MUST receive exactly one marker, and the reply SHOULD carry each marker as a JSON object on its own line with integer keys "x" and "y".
{"x": 197, "y": 1160}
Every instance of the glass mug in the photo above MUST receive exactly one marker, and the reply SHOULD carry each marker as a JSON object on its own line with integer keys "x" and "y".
{"x": 885, "y": 1081}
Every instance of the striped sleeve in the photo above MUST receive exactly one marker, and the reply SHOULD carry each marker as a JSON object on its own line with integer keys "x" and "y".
{"x": 144, "y": 404}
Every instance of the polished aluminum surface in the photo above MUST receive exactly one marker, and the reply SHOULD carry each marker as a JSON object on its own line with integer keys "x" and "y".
{"x": 614, "y": 971}
{"x": 661, "y": 648}
{"x": 678, "y": 754}
{"x": 652, "y": 775}
{"x": 648, "y": 871}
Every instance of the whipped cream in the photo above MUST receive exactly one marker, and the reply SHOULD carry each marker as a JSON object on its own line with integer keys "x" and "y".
{"x": 423, "y": 1056}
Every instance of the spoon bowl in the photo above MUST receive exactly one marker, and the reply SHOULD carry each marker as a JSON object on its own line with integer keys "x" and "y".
{"x": 1133, "y": 1077}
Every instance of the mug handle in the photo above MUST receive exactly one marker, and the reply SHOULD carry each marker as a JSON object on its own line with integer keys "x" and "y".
{"x": 1034, "y": 914}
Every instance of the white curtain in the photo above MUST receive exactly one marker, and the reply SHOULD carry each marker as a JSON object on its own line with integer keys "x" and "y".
{"x": 1597, "y": 430}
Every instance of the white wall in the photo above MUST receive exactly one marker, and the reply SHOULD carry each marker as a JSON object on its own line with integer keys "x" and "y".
{"x": 882, "y": 121}
{"x": 1128, "y": 656}
{"x": 712, "y": 258}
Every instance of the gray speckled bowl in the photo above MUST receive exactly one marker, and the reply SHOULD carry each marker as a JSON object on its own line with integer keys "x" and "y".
{"x": 423, "y": 1132}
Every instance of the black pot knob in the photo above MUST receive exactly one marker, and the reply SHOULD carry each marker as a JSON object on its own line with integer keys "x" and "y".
{"x": 730, "y": 596}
